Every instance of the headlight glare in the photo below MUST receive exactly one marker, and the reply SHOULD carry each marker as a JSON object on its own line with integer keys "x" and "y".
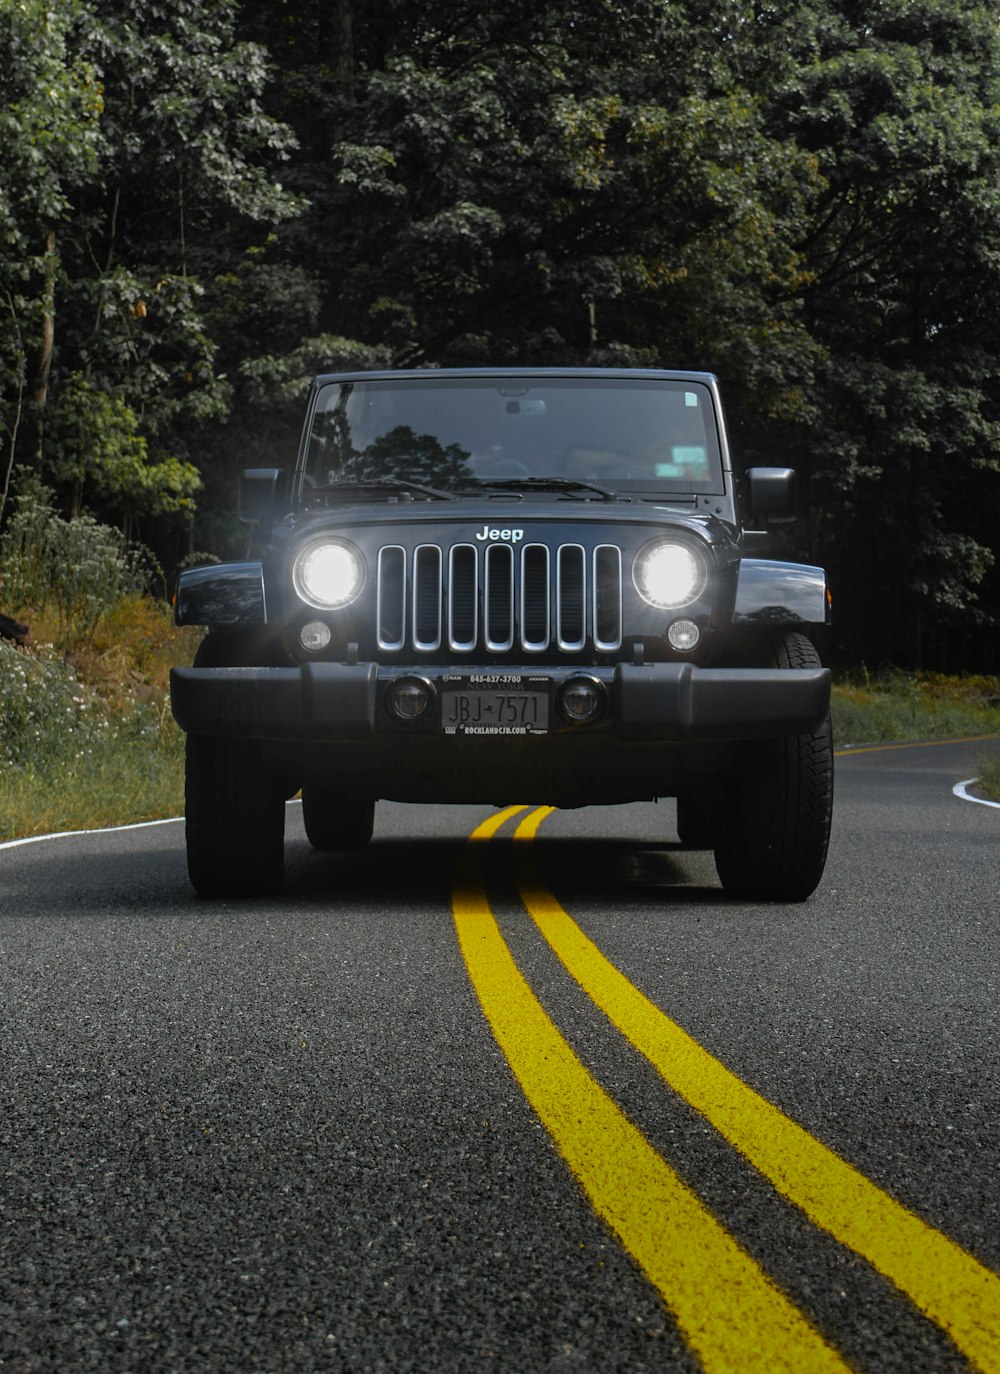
{"x": 670, "y": 574}
{"x": 328, "y": 574}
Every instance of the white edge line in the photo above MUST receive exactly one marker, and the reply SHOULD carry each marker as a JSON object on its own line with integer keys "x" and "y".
{"x": 106, "y": 830}
{"x": 960, "y": 790}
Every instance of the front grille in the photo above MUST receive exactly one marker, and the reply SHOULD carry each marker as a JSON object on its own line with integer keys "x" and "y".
{"x": 498, "y": 598}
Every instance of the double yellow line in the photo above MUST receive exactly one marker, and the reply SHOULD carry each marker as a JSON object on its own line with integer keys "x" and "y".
{"x": 729, "y": 1310}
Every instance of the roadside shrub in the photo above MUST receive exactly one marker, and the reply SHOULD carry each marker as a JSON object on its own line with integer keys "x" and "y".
{"x": 78, "y": 567}
{"x": 871, "y": 708}
{"x": 43, "y": 706}
{"x": 72, "y": 758}
{"x": 133, "y": 649}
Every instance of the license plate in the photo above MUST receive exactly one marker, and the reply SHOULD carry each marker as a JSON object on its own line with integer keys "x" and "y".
{"x": 505, "y": 705}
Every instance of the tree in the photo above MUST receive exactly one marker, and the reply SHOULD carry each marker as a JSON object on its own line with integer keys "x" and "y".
{"x": 98, "y": 451}
{"x": 213, "y": 200}
{"x": 898, "y": 103}
{"x": 50, "y": 107}
{"x": 155, "y": 172}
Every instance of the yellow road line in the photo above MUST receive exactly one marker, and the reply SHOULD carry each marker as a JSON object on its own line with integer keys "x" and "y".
{"x": 850, "y": 749}
{"x": 946, "y": 1284}
{"x": 730, "y": 1312}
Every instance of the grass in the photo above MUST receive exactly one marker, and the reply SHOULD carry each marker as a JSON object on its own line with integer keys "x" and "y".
{"x": 87, "y": 738}
{"x": 913, "y": 706}
{"x": 989, "y": 779}
{"x": 894, "y": 706}
{"x": 138, "y": 777}
{"x": 86, "y": 734}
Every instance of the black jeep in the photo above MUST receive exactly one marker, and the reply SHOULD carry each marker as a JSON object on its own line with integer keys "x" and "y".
{"x": 509, "y": 585}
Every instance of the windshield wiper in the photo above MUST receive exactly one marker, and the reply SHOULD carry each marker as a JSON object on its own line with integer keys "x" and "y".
{"x": 400, "y": 484}
{"x": 572, "y": 485}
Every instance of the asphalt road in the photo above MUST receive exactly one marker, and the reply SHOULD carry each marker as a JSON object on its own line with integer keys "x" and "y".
{"x": 290, "y": 1136}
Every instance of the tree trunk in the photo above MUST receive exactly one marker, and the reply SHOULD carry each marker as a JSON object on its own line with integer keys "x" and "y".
{"x": 43, "y": 367}
{"x": 337, "y": 42}
{"x": 18, "y": 410}
{"x": 340, "y": 37}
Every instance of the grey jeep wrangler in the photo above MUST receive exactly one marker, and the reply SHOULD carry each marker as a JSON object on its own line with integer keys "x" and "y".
{"x": 509, "y": 585}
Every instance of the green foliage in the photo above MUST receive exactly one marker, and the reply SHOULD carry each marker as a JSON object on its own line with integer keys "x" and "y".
{"x": 205, "y": 203}
{"x": 79, "y": 567}
{"x": 96, "y": 448}
{"x": 41, "y": 706}
{"x": 899, "y": 107}
{"x": 68, "y": 759}
{"x": 285, "y": 380}
{"x": 139, "y": 155}
{"x": 130, "y": 774}
{"x": 526, "y": 171}
{"x": 989, "y": 778}
{"x": 87, "y": 738}
{"x": 893, "y": 705}
{"x": 50, "y": 111}
{"x": 152, "y": 348}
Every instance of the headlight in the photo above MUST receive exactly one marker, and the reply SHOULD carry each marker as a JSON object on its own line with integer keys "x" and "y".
{"x": 670, "y": 574}
{"x": 328, "y": 574}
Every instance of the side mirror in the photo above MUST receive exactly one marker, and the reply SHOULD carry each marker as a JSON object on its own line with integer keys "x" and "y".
{"x": 773, "y": 496}
{"x": 259, "y": 496}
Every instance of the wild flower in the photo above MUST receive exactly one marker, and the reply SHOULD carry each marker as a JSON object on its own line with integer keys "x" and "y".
{"x": 45, "y": 712}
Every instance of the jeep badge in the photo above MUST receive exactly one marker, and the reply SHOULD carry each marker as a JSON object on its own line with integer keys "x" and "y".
{"x": 512, "y": 536}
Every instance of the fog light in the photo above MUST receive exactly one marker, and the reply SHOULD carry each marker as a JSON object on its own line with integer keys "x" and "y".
{"x": 583, "y": 699}
{"x": 411, "y": 698}
{"x": 314, "y": 636}
{"x": 683, "y": 636}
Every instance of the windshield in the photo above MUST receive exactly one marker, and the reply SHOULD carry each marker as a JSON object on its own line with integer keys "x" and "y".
{"x": 451, "y": 433}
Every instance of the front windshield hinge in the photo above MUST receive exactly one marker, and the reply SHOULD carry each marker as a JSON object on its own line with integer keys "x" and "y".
{"x": 572, "y": 486}
{"x": 402, "y": 488}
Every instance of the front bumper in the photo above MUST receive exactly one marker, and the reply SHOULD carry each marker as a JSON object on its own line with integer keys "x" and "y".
{"x": 337, "y": 702}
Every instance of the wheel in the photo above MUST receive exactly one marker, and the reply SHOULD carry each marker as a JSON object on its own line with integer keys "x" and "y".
{"x": 694, "y": 820}
{"x": 231, "y": 648}
{"x": 333, "y": 822}
{"x": 235, "y": 819}
{"x": 773, "y": 826}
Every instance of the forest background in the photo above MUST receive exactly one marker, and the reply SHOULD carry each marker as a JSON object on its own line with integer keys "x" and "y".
{"x": 203, "y": 202}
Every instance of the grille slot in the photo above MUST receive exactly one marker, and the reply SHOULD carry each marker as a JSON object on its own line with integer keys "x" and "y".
{"x": 571, "y": 597}
{"x": 391, "y": 610}
{"x": 499, "y": 598}
{"x": 463, "y": 600}
{"x": 427, "y": 597}
{"x": 535, "y": 598}
{"x": 607, "y": 597}
{"x": 495, "y": 600}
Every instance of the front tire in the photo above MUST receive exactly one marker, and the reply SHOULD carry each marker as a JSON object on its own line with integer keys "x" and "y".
{"x": 773, "y": 829}
{"x": 694, "y": 819}
{"x": 235, "y": 819}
